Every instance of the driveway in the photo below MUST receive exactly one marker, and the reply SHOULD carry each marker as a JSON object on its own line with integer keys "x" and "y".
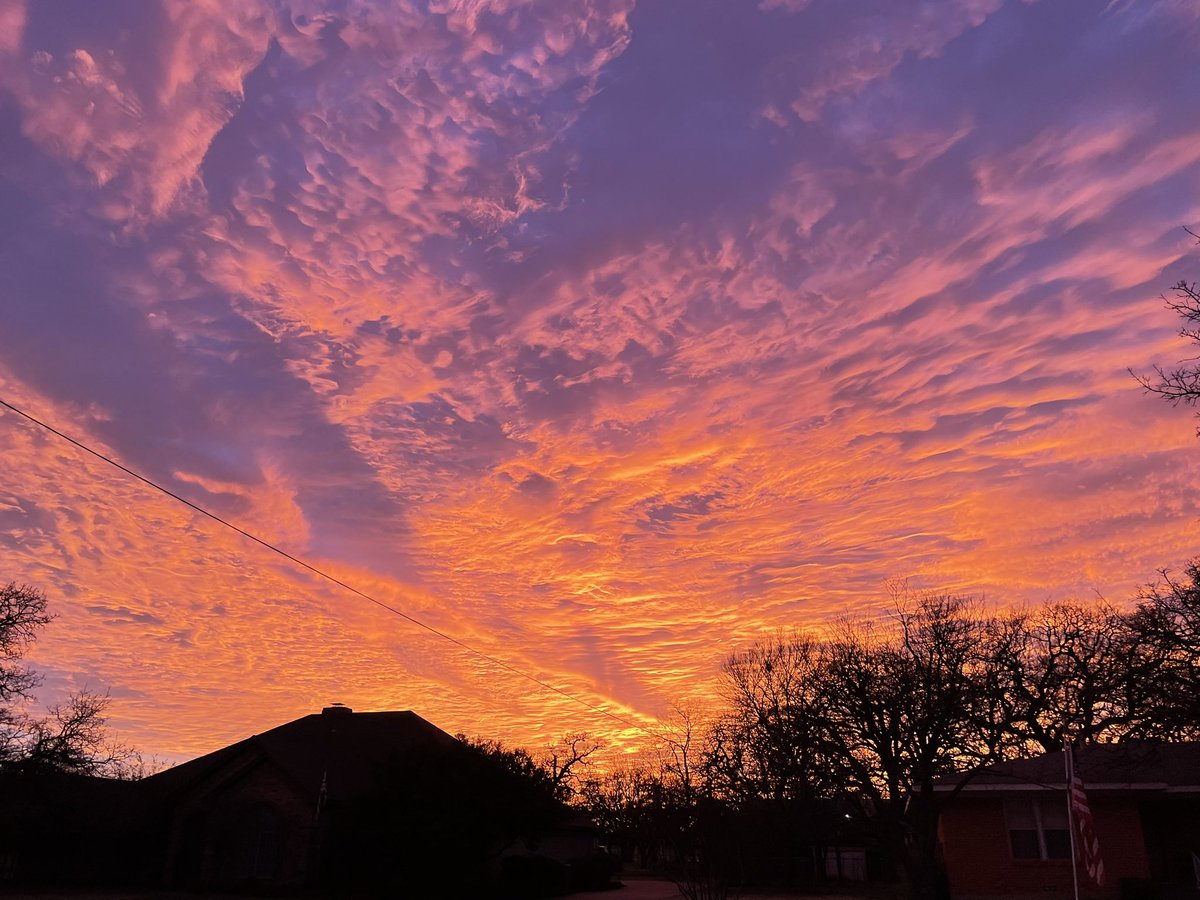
{"x": 635, "y": 889}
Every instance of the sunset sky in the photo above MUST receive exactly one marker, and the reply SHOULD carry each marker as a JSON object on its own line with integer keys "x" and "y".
{"x": 605, "y": 336}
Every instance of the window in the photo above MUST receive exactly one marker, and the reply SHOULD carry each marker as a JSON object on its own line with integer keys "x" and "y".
{"x": 1037, "y": 827}
{"x": 260, "y": 840}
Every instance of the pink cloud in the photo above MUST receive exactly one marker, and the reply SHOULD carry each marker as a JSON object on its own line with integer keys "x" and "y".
{"x": 604, "y": 338}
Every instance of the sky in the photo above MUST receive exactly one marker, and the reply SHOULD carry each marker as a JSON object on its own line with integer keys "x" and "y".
{"x": 604, "y": 336}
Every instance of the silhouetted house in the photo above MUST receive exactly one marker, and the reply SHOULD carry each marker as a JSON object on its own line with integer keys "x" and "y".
{"x": 565, "y": 856}
{"x": 343, "y": 801}
{"x": 1006, "y": 832}
{"x": 282, "y": 808}
{"x": 68, "y": 828}
{"x": 574, "y": 837}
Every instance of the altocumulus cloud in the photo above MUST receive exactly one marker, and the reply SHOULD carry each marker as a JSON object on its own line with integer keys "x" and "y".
{"x": 602, "y": 335}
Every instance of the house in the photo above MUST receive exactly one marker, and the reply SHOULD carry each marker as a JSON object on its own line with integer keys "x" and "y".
{"x": 1006, "y": 831}
{"x": 338, "y": 802}
{"x": 68, "y": 828}
{"x": 264, "y": 812}
{"x": 371, "y": 801}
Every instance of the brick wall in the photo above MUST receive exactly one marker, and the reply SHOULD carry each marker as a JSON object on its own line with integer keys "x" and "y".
{"x": 214, "y": 833}
{"x": 979, "y": 862}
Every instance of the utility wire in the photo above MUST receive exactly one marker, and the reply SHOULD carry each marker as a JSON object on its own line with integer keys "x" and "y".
{"x": 508, "y": 667}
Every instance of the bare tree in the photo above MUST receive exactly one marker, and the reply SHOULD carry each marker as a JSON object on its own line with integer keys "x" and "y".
{"x": 765, "y": 747}
{"x": 679, "y": 752}
{"x": 896, "y": 719}
{"x": 568, "y": 762}
{"x": 875, "y": 715}
{"x": 1068, "y": 672}
{"x": 901, "y": 716}
{"x": 1167, "y": 629}
{"x": 73, "y": 737}
{"x": 627, "y": 803}
{"x": 1181, "y": 384}
{"x": 695, "y": 823}
{"x": 22, "y": 615}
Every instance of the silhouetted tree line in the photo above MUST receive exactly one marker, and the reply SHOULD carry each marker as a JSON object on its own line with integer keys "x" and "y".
{"x": 846, "y": 734}
{"x": 409, "y": 835}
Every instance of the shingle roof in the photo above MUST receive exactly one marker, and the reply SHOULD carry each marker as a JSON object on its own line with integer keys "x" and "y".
{"x": 1149, "y": 764}
{"x": 340, "y": 747}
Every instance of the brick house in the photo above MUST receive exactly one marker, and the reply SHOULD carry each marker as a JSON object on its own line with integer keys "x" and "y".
{"x": 1005, "y": 832}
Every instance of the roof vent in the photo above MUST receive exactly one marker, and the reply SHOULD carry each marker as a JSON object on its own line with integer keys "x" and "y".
{"x": 338, "y": 709}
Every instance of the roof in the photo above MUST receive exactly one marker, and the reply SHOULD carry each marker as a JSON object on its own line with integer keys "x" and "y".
{"x": 1130, "y": 765}
{"x": 48, "y": 790}
{"x": 337, "y": 747}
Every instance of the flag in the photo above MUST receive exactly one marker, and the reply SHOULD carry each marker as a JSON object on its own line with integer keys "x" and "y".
{"x": 1081, "y": 820}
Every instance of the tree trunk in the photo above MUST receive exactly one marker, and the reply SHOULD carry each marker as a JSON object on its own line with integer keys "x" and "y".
{"x": 922, "y": 859}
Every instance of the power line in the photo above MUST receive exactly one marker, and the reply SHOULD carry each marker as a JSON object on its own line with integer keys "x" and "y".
{"x": 335, "y": 580}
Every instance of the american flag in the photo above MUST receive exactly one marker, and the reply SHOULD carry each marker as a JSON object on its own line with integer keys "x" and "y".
{"x": 1081, "y": 819}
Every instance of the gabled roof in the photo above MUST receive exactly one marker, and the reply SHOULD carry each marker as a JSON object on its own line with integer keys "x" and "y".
{"x": 1131, "y": 765}
{"x": 337, "y": 747}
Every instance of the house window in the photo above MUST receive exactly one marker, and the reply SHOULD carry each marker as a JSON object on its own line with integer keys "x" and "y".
{"x": 1037, "y": 827}
{"x": 260, "y": 842}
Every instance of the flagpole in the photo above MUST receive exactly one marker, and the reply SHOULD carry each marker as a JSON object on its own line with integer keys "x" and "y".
{"x": 1068, "y": 763}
